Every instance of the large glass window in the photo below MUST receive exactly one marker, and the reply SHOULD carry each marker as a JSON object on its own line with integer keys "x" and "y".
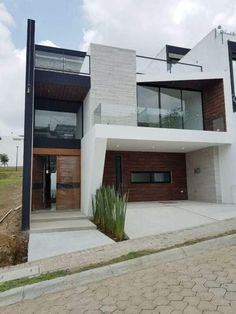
{"x": 55, "y": 124}
{"x": 148, "y": 106}
{"x": 171, "y": 108}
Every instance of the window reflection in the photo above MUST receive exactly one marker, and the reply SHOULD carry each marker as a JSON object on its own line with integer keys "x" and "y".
{"x": 55, "y": 124}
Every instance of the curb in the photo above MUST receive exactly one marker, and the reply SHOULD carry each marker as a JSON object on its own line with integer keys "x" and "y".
{"x": 75, "y": 280}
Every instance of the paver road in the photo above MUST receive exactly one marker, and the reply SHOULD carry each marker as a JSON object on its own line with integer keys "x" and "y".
{"x": 205, "y": 283}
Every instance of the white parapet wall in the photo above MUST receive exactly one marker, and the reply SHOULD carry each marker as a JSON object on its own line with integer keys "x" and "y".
{"x": 93, "y": 152}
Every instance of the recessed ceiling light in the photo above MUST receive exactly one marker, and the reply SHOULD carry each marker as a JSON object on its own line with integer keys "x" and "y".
{"x": 182, "y": 148}
{"x": 153, "y": 146}
{"x": 117, "y": 146}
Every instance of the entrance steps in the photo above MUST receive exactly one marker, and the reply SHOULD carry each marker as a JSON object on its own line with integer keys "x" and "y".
{"x": 44, "y": 221}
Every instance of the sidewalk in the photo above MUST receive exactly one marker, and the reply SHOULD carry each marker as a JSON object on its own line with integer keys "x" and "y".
{"x": 78, "y": 260}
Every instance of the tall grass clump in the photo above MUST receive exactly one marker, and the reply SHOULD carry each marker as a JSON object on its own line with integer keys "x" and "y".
{"x": 109, "y": 211}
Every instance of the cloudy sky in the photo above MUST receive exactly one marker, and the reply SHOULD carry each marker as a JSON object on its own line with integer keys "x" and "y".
{"x": 142, "y": 25}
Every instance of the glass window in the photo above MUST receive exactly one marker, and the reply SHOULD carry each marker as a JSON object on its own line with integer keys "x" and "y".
{"x": 151, "y": 177}
{"x": 140, "y": 177}
{"x": 148, "y": 106}
{"x": 234, "y": 75}
{"x": 162, "y": 177}
{"x": 192, "y": 110}
{"x": 54, "y": 124}
{"x": 171, "y": 108}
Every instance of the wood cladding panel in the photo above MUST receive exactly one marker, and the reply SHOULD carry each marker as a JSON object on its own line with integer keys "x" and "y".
{"x": 213, "y": 104}
{"x": 37, "y": 183}
{"x": 56, "y": 151}
{"x": 68, "y": 182}
{"x": 149, "y": 161}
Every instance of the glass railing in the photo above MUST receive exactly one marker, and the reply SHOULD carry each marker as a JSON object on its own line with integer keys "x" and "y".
{"x": 149, "y": 65}
{"x": 154, "y": 118}
{"x": 62, "y": 62}
{"x": 115, "y": 114}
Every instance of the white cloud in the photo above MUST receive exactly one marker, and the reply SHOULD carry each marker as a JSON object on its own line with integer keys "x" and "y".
{"x": 48, "y": 43}
{"x": 12, "y": 77}
{"x": 12, "y": 65}
{"x": 148, "y": 25}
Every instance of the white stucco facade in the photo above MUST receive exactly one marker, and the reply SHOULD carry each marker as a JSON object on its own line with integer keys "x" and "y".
{"x": 210, "y": 155}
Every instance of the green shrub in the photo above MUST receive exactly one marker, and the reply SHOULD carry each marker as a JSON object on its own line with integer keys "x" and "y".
{"x": 109, "y": 211}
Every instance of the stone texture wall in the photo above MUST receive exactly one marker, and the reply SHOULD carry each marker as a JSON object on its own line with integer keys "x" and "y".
{"x": 148, "y": 161}
{"x": 113, "y": 85}
{"x": 203, "y": 178}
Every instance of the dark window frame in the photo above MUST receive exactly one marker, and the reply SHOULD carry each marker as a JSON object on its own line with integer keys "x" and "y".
{"x": 151, "y": 175}
{"x": 159, "y": 87}
{"x": 232, "y": 56}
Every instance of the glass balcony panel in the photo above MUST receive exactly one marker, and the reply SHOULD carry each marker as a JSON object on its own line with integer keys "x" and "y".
{"x": 171, "y": 108}
{"x": 73, "y": 63}
{"x": 48, "y": 60}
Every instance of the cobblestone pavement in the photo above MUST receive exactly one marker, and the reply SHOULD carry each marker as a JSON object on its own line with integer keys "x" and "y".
{"x": 205, "y": 283}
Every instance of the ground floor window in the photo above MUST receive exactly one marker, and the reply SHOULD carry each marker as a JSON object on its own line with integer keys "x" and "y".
{"x": 150, "y": 177}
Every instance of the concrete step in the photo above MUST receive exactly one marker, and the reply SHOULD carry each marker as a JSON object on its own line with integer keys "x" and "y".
{"x": 62, "y": 225}
{"x": 57, "y": 215}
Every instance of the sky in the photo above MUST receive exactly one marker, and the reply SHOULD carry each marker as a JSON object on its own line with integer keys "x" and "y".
{"x": 145, "y": 26}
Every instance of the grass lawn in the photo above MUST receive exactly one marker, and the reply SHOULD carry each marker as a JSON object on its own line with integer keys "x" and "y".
{"x": 9, "y": 177}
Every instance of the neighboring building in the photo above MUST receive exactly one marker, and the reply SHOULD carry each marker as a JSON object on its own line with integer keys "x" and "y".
{"x": 13, "y": 146}
{"x": 161, "y": 128}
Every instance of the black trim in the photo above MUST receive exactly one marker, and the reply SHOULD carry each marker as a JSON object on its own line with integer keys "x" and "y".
{"x": 62, "y": 51}
{"x": 28, "y": 127}
{"x": 232, "y": 56}
{"x": 68, "y": 185}
{"x": 151, "y": 177}
{"x": 56, "y": 143}
{"x": 118, "y": 169}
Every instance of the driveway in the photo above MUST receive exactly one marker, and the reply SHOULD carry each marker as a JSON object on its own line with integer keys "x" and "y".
{"x": 148, "y": 218}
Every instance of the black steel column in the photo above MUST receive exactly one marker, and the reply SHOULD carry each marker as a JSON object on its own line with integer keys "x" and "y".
{"x": 28, "y": 127}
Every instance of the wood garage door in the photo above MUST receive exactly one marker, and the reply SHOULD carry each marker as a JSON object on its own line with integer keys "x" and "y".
{"x": 68, "y": 182}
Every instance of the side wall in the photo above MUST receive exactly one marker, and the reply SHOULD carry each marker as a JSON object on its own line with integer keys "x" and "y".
{"x": 148, "y": 161}
{"x": 203, "y": 177}
{"x": 113, "y": 84}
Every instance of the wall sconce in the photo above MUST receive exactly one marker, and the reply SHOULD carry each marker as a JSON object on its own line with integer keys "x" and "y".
{"x": 197, "y": 170}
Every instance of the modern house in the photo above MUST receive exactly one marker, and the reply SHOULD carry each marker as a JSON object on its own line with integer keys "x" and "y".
{"x": 161, "y": 128}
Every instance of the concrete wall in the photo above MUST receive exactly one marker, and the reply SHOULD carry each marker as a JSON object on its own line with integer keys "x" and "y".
{"x": 113, "y": 83}
{"x": 203, "y": 178}
{"x": 212, "y": 53}
{"x": 93, "y": 151}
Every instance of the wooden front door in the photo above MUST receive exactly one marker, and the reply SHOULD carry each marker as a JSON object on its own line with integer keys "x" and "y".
{"x": 68, "y": 182}
{"x": 38, "y": 183}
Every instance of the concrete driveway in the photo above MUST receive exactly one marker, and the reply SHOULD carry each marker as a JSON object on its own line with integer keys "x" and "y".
{"x": 148, "y": 218}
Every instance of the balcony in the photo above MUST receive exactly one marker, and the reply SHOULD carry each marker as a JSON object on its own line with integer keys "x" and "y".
{"x": 149, "y": 65}
{"x": 168, "y": 107}
{"x": 62, "y": 60}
